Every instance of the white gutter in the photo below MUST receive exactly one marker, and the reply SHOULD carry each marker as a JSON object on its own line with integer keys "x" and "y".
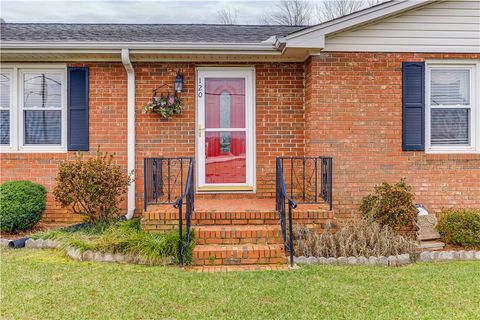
{"x": 130, "y": 129}
{"x": 192, "y": 46}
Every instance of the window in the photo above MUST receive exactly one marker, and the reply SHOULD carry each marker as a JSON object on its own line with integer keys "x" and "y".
{"x": 5, "y": 105}
{"x": 452, "y": 122}
{"x": 33, "y": 109}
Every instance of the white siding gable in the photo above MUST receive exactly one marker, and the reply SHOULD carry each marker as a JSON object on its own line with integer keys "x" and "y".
{"x": 446, "y": 26}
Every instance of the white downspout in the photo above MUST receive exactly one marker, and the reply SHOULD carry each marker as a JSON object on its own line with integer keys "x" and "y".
{"x": 130, "y": 129}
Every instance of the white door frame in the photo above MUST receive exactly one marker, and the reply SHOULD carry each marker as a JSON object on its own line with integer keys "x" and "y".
{"x": 225, "y": 72}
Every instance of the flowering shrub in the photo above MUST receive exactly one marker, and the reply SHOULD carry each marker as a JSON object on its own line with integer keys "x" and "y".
{"x": 165, "y": 106}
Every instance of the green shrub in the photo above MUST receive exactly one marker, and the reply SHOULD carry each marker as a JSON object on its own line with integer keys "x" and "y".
{"x": 460, "y": 227}
{"x": 92, "y": 187}
{"x": 390, "y": 205}
{"x": 365, "y": 238}
{"x": 21, "y": 205}
{"x": 124, "y": 237}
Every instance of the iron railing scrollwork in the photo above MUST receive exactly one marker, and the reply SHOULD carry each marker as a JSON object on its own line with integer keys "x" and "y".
{"x": 186, "y": 198}
{"x": 170, "y": 181}
{"x": 306, "y": 180}
{"x": 164, "y": 179}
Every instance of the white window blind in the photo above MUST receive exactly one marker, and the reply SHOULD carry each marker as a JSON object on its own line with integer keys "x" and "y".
{"x": 42, "y": 108}
{"x": 5, "y": 104}
{"x": 450, "y": 106}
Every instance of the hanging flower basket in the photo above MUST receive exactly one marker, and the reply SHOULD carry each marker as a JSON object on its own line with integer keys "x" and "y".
{"x": 166, "y": 106}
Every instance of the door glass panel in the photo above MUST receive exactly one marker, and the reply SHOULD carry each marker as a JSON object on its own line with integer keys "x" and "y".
{"x": 225, "y": 158}
{"x": 224, "y": 103}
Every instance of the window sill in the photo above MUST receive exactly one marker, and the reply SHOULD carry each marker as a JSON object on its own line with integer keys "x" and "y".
{"x": 33, "y": 150}
{"x": 447, "y": 152}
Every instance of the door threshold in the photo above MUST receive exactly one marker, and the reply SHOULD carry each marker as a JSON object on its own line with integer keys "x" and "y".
{"x": 226, "y": 189}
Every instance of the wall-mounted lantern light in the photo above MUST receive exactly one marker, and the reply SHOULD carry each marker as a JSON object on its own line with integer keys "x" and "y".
{"x": 178, "y": 86}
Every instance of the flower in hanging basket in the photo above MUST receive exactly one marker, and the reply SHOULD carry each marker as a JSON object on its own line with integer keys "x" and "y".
{"x": 164, "y": 105}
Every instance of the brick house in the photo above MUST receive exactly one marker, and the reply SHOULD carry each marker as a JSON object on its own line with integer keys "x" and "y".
{"x": 391, "y": 91}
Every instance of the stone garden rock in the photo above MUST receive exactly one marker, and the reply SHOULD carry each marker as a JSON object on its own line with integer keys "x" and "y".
{"x": 87, "y": 255}
{"x": 362, "y": 260}
{"x": 322, "y": 260}
{"x": 372, "y": 260}
{"x": 4, "y": 242}
{"x": 403, "y": 259}
{"x": 392, "y": 261}
{"x": 425, "y": 256}
{"x": 477, "y": 255}
{"x": 51, "y": 244}
{"x": 300, "y": 260}
{"x": 352, "y": 260}
{"x": 97, "y": 256}
{"x": 383, "y": 261}
{"x": 462, "y": 255}
{"x": 342, "y": 260}
{"x": 108, "y": 257}
{"x": 470, "y": 255}
{"x": 120, "y": 258}
{"x": 331, "y": 260}
{"x": 74, "y": 253}
{"x": 30, "y": 243}
{"x": 447, "y": 255}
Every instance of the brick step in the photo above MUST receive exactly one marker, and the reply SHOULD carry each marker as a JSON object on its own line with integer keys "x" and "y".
{"x": 248, "y": 254}
{"x": 250, "y": 267}
{"x": 238, "y": 234}
{"x": 238, "y": 217}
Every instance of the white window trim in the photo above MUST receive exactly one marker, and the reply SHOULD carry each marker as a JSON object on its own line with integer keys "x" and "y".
{"x": 16, "y": 109}
{"x": 10, "y": 109}
{"x": 474, "y": 66}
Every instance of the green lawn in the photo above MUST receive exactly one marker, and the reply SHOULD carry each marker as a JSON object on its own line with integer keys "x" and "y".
{"x": 43, "y": 284}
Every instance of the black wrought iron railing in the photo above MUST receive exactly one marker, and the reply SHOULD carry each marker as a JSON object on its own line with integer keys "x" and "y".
{"x": 170, "y": 181}
{"x": 164, "y": 179}
{"x": 281, "y": 200}
{"x": 187, "y": 199}
{"x": 309, "y": 180}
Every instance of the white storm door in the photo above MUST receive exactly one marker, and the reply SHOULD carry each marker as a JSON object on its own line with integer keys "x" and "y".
{"x": 225, "y": 129}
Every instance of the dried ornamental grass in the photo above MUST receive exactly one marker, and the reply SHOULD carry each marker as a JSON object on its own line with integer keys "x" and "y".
{"x": 366, "y": 238}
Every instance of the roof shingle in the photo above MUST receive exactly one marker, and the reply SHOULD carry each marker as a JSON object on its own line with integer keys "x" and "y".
{"x": 60, "y": 32}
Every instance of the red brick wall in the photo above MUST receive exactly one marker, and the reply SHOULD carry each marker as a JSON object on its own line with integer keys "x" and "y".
{"x": 279, "y": 118}
{"x": 354, "y": 113}
{"x": 108, "y": 120}
{"x": 279, "y": 131}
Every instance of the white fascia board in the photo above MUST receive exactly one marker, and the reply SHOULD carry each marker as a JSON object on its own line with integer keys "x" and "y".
{"x": 314, "y": 37}
{"x": 140, "y": 45}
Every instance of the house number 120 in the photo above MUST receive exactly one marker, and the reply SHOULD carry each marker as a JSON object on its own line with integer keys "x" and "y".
{"x": 200, "y": 88}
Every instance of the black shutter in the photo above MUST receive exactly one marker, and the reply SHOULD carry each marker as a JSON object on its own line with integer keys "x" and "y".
{"x": 77, "y": 109}
{"x": 413, "y": 106}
